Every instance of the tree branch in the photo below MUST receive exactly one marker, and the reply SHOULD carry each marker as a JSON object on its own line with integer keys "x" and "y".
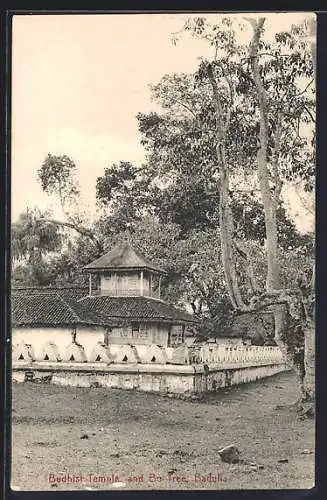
{"x": 310, "y": 114}
{"x": 275, "y": 157}
{"x": 186, "y": 107}
{"x": 231, "y": 87}
{"x": 306, "y": 88}
{"x": 81, "y": 230}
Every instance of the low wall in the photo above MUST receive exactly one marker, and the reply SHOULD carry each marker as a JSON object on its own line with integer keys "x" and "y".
{"x": 220, "y": 353}
{"x": 100, "y": 352}
{"x": 173, "y": 379}
{"x": 49, "y": 350}
{"x": 61, "y": 337}
{"x": 215, "y": 378}
{"x": 177, "y": 370}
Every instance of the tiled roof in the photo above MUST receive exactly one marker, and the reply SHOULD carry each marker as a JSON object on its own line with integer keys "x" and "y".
{"x": 136, "y": 308}
{"x": 35, "y": 307}
{"x": 123, "y": 256}
{"x": 69, "y": 305}
{"x": 67, "y": 292}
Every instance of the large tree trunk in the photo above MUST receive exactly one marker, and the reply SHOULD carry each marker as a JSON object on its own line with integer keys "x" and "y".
{"x": 281, "y": 325}
{"x": 226, "y": 225}
{"x": 269, "y": 203}
{"x": 81, "y": 230}
{"x": 225, "y": 216}
{"x": 309, "y": 381}
{"x": 268, "y": 200}
{"x": 309, "y": 330}
{"x": 308, "y": 296}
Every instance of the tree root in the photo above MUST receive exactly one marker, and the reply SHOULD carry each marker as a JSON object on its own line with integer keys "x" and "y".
{"x": 306, "y": 407}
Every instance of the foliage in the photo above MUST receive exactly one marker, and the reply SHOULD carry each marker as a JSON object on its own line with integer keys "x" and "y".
{"x": 33, "y": 237}
{"x": 36, "y": 274}
{"x": 169, "y": 206}
{"x": 56, "y": 175}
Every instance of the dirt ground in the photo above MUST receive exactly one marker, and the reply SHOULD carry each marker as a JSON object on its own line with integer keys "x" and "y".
{"x": 79, "y": 438}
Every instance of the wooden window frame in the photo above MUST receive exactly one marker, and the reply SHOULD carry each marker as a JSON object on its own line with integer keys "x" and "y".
{"x": 135, "y": 327}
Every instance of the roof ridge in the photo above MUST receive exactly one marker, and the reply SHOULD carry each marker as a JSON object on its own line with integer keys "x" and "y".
{"x": 69, "y": 307}
{"x": 81, "y": 287}
{"x": 21, "y": 292}
{"x": 86, "y": 297}
{"x": 128, "y": 297}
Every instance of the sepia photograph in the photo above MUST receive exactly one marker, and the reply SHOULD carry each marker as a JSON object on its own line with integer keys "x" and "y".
{"x": 162, "y": 320}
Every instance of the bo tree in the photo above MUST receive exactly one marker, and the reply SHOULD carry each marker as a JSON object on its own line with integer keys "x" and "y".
{"x": 261, "y": 83}
{"x": 292, "y": 106}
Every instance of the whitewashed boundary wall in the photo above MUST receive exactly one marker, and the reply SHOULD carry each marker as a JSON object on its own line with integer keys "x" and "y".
{"x": 239, "y": 354}
{"x": 176, "y": 370}
{"x": 180, "y": 355}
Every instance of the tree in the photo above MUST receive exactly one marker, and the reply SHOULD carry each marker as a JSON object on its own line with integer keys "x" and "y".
{"x": 182, "y": 160}
{"x": 278, "y": 107}
{"x": 32, "y": 239}
{"x": 36, "y": 274}
{"x": 270, "y": 197}
{"x": 57, "y": 175}
{"x": 198, "y": 185}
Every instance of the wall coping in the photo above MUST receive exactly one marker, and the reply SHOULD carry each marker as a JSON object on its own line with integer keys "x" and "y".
{"x": 103, "y": 367}
{"x": 135, "y": 367}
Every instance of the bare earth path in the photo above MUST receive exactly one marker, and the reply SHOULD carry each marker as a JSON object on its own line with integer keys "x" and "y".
{"x": 95, "y": 434}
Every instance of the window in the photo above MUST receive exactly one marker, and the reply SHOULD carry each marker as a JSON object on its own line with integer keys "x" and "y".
{"x": 144, "y": 331}
{"x": 135, "y": 329}
{"x": 176, "y": 335}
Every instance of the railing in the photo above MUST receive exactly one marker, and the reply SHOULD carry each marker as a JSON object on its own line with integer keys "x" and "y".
{"x": 238, "y": 354}
{"x": 212, "y": 355}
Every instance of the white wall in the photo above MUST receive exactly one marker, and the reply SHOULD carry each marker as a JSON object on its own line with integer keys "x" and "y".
{"x": 88, "y": 337}
{"x": 125, "y": 284}
{"x": 150, "y": 333}
{"x": 181, "y": 380}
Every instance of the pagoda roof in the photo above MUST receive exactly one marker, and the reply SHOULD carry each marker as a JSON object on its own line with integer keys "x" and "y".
{"x": 122, "y": 257}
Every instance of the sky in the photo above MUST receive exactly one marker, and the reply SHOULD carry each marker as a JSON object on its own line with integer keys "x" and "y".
{"x": 78, "y": 82}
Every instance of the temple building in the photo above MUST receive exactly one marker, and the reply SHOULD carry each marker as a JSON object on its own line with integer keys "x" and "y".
{"x": 128, "y": 287}
{"x": 122, "y": 305}
{"x": 119, "y": 333}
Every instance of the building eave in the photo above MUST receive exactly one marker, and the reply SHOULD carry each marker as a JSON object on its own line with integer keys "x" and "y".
{"x": 100, "y": 270}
